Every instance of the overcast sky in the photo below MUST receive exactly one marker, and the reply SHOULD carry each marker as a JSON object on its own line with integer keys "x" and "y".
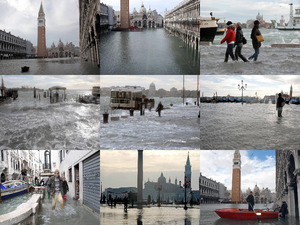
{"x": 161, "y": 81}
{"x": 241, "y": 11}
{"x": 47, "y": 81}
{"x": 119, "y": 168}
{"x": 159, "y": 5}
{"x": 262, "y": 84}
{"x": 258, "y": 167}
{"x": 62, "y": 19}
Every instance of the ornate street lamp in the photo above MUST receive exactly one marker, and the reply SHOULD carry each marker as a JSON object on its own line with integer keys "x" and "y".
{"x": 242, "y": 87}
{"x": 186, "y": 185}
{"x": 159, "y": 188}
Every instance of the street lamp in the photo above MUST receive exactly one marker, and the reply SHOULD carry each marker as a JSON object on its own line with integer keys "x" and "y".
{"x": 186, "y": 185}
{"x": 158, "y": 187}
{"x": 242, "y": 87}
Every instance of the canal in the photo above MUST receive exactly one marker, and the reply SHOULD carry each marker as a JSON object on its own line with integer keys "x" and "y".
{"x": 55, "y": 66}
{"x": 152, "y": 51}
{"x": 209, "y": 217}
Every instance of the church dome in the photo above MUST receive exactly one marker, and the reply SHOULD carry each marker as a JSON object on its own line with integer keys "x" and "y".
{"x": 134, "y": 11}
{"x": 162, "y": 179}
{"x": 143, "y": 10}
{"x": 256, "y": 189}
{"x": 60, "y": 44}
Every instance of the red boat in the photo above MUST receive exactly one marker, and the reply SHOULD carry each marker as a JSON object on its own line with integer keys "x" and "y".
{"x": 244, "y": 214}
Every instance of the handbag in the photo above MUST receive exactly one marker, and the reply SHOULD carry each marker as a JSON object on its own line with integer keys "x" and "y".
{"x": 260, "y": 38}
{"x": 244, "y": 40}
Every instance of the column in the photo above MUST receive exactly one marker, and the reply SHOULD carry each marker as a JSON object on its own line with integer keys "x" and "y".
{"x": 140, "y": 179}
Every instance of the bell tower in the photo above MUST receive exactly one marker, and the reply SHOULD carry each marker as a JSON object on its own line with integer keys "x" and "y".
{"x": 188, "y": 172}
{"x": 236, "y": 177}
{"x": 291, "y": 91}
{"x": 124, "y": 14}
{"x": 41, "y": 42}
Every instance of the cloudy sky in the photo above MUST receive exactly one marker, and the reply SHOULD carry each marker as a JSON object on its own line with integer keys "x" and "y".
{"x": 119, "y": 168}
{"x": 238, "y": 11}
{"x": 161, "y": 81}
{"x": 46, "y": 81}
{"x": 258, "y": 167}
{"x": 159, "y": 5}
{"x": 262, "y": 84}
{"x": 62, "y": 19}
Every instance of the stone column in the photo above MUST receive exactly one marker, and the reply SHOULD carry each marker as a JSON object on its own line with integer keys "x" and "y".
{"x": 140, "y": 179}
{"x": 291, "y": 201}
{"x": 297, "y": 174}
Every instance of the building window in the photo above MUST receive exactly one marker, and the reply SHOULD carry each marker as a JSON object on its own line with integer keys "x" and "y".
{"x": 70, "y": 174}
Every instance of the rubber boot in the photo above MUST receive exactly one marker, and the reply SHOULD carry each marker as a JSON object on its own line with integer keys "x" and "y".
{"x": 226, "y": 59}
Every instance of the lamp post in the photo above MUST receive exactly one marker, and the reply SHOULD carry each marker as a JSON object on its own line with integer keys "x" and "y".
{"x": 0, "y": 183}
{"x": 242, "y": 87}
{"x": 186, "y": 185}
{"x": 158, "y": 187}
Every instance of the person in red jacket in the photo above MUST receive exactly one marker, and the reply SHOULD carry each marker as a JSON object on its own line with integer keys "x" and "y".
{"x": 230, "y": 39}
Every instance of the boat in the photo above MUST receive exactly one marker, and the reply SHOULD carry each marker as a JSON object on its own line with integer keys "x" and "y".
{"x": 220, "y": 31}
{"x": 129, "y": 97}
{"x": 13, "y": 188}
{"x": 94, "y": 98}
{"x": 294, "y": 22}
{"x": 244, "y": 214}
{"x": 25, "y": 69}
{"x": 208, "y": 29}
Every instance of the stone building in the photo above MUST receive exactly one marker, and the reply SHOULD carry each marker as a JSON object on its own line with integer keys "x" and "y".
{"x": 209, "y": 190}
{"x": 63, "y": 50}
{"x": 82, "y": 172}
{"x": 152, "y": 90}
{"x": 11, "y": 46}
{"x": 13, "y": 162}
{"x": 288, "y": 179}
{"x": 89, "y": 28}
{"x": 107, "y": 18}
{"x": 145, "y": 19}
{"x": 184, "y": 22}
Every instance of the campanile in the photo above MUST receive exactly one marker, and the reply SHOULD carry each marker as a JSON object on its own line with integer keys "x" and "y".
{"x": 236, "y": 177}
{"x": 124, "y": 14}
{"x": 41, "y": 42}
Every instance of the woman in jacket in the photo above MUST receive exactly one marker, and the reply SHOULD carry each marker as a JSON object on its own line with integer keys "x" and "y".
{"x": 229, "y": 38}
{"x": 239, "y": 42}
{"x": 256, "y": 45}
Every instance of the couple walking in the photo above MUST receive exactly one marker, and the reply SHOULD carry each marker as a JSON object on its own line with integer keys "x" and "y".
{"x": 236, "y": 38}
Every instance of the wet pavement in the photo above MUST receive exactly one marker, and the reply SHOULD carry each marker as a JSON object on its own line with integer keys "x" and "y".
{"x": 74, "y": 213}
{"x": 155, "y": 215}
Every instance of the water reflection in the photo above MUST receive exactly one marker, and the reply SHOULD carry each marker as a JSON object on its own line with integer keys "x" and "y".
{"x": 286, "y": 221}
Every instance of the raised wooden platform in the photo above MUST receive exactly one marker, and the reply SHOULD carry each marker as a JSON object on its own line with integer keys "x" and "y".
{"x": 285, "y": 45}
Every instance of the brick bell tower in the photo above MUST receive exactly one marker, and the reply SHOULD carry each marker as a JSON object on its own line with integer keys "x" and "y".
{"x": 236, "y": 177}
{"x": 125, "y": 23}
{"x": 41, "y": 45}
{"x": 291, "y": 91}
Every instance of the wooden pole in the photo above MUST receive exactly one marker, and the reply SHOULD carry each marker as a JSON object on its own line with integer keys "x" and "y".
{"x": 198, "y": 90}
{"x": 183, "y": 91}
{"x": 0, "y": 192}
{"x": 27, "y": 184}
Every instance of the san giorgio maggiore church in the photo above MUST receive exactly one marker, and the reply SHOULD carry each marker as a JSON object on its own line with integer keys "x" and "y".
{"x": 169, "y": 192}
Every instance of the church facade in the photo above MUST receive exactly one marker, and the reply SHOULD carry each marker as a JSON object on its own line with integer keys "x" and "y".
{"x": 63, "y": 50}
{"x": 146, "y": 19}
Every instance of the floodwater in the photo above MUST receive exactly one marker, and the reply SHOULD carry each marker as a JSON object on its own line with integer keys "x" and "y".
{"x": 271, "y": 61}
{"x": 10, "y": 204}
{"x": 209, "y": 217}
{"x": 147, "y": 216}
{"x": 73, "y": 214}
{"x": 49, "y": 66}
{"x": 248, "y": 126}
{"x": 152, "y": 51}
{"x": 29, "y": 123}
{"x": 177, "y": 128}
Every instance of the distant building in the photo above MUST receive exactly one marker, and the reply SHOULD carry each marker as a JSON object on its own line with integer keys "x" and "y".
{"x": 30, "y": 51}
{"x": 146, "y": 19}
{"x": 263, "y": 23}
{"x": 63, "y": 50}
{"x": 152, "y": 90}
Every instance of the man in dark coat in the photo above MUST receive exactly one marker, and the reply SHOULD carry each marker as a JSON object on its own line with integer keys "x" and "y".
{"x": 65, "y": 186}
{"x": 159, "y": 108}
{"x": 56, "y": 190}
{"x": 250, "y": 200}
{"x": 279, "y": 105}
{"x": 256, "y": 45}
{"x": 283, "y": 209}
{"x": 239, "y": 42}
